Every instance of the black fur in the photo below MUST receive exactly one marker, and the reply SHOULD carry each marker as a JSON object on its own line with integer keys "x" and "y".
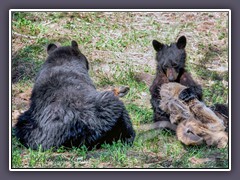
{"x": 66, "y": 109}
{"x": 222, "y": 111}
{"x": 187, "y": 95}
{"x": 221, "y": 108}
{"x": 171, "y": 67}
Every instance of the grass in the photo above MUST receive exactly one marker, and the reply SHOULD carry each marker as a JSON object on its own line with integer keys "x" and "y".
{"x": 118, "y": 46}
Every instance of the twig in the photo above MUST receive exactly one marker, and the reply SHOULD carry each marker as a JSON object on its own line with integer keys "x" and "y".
{"x": 26, "y": 36}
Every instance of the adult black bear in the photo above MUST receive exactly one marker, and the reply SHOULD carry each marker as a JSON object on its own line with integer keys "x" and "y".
{"x": 171, "y": 68}
{"x": 66, "y": 109}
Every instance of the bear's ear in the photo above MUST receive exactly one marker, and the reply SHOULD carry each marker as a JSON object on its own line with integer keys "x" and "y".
{"x": 157, "y": 45}
{"x": 51, "y": 48}
{"x": 74, "y": 44}
{"x": 181, "y": 42}
{"x": 87, "y": 65}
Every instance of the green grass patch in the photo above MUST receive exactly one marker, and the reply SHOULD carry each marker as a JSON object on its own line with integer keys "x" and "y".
{"x": 217, "y": 93}
{"x": 140, "y": 115}
{"x": 24, "y": 25}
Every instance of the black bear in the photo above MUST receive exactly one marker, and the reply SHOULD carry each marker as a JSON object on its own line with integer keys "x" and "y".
{"x": 171, "y": 68}
{"x": 67, "y": 110}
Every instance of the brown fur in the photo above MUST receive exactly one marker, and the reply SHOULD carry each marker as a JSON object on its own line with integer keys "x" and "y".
{"x": 193, "y": 132}
{"x": 171, "y": 73}
{"x": 196, "y": 122}
{"x": 120, "y": 91}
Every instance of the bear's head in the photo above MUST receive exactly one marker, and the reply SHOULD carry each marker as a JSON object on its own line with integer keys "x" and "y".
{"x": 171, "y": 58}
{"x": 58, "y": 55}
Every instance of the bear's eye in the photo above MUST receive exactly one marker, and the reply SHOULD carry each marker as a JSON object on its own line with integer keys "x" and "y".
{"x": 165, "y": 66}
{"x": 174, "y": 64}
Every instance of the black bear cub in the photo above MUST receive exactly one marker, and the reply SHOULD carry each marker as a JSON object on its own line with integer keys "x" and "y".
{"x": 171, "y": 68}
{"x": 67, "y": 110}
